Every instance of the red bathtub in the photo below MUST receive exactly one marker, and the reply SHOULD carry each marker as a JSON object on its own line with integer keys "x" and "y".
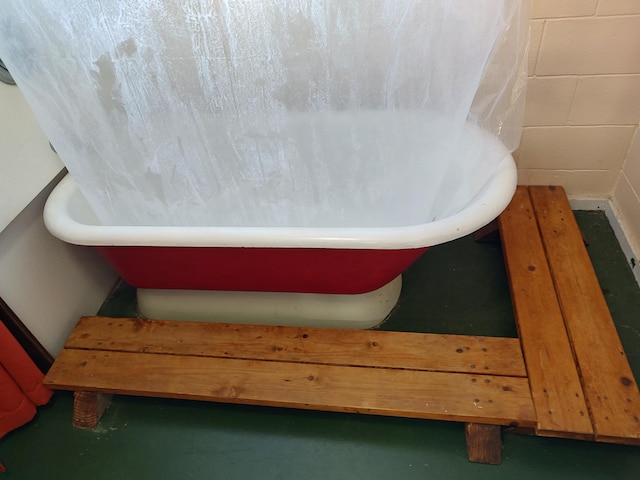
{"x": 342, "y": 263}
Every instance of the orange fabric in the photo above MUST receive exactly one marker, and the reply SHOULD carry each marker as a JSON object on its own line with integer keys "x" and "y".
{"x": 21, "y": 386}
{"x": 15, "y": 407}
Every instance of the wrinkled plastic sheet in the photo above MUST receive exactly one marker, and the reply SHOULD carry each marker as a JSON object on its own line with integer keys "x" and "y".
{"x": 271, "y": 113}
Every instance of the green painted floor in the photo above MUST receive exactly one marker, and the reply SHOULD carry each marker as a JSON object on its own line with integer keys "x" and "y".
{"x": 459, "y": 287}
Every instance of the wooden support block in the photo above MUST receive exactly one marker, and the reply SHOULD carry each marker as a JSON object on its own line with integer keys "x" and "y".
{"x": 484, "y": 443}
{"x": 88, "y": 408}
{"x": 557, "y": 393}
{"x": 609, "y": 386}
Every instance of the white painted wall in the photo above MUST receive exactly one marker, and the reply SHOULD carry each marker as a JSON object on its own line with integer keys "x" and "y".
{"x": 27, "y": 163}
{"x": 47, "y": 283}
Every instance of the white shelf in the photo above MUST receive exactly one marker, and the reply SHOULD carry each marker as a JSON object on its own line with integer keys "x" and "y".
{"x": 27, "y": 163}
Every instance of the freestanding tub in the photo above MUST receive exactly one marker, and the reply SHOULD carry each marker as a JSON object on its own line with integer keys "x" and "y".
{"x": 333, "y": 277}
{"x": 311, "y": 150}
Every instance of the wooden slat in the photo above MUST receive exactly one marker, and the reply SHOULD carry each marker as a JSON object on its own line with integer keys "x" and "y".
{"x": 452, "y": 353}
{"x": 611, "y": 391}
{"x": 429, "y": 395}
{"x": 557, "y": 394}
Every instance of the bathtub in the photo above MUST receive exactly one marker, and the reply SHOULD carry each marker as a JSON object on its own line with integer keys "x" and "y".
{"x": 329, "y": 277}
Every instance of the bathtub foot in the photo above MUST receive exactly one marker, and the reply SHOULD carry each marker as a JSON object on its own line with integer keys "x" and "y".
{"x": 484, "y": 443}
{"x": 488, "y": 234}
{"x": 88, "y": 407}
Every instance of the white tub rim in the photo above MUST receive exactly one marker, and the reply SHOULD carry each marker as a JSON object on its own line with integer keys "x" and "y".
{"x": 485, "y": 207}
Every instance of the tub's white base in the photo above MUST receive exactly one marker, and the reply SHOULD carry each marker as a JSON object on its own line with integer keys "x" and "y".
{"x": 361, "y": 311}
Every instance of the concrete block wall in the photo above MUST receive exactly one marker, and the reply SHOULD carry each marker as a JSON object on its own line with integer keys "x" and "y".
{"x": 583, "y": 99}
{"x": 582, "y": 116}
{"x": 626, "y": 201}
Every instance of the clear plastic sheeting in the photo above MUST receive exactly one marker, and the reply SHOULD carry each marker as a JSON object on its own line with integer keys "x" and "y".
{"x": 299, "y": 113}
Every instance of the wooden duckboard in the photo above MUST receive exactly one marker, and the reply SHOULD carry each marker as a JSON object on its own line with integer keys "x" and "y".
{"x": 566, "y": 375}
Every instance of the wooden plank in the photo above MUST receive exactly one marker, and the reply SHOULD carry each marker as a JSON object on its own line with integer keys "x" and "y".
{"x": 416, "y": 351}
{"x": 429, "y": 395}
{"x": 484, "y": 443}
{"x": 555, "y": 385}
{"x": 611, "y": 391}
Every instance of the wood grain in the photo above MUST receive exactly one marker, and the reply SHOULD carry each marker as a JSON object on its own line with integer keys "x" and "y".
{"x": 429, "y": 395}
{"x": 560, "y": 405}
{"x": 413, "y": 351}
{"x": 610, "y": 388}
{"x": 484, "y": 443}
